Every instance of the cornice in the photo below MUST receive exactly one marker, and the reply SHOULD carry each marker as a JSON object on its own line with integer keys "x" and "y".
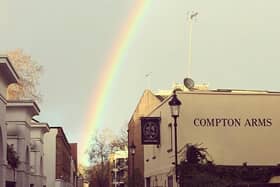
{"x": 32, "y": 105}
{"x": 8, "y": 70}
{"x": 44, "y": 127}
{"x": 2, "y": 98}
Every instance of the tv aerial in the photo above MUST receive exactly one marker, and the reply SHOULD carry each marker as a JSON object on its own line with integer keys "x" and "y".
{"x": 188, "y": 82}
{"x": 148, "y": 77}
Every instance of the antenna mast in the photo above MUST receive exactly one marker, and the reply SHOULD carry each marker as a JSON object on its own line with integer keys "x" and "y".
{"x": 148, "y": 77}
{"x": 191, "y": 17}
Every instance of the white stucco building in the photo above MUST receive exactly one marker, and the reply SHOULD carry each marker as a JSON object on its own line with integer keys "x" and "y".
{"x": 40, "y": 161}
{"x": 22, "y": 133}
{"x": 119, "y": 168}
{"x": 37, "y": 153}
{"x": 7, "y": 76}
{"x": 235, "y": 126}
{"x": 26, "y": 136}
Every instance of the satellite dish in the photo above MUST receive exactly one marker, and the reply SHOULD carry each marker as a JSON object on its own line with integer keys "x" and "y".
{"x": 189, "y": 83}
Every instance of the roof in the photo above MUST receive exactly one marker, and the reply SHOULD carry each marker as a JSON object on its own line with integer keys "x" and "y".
{"x": 231, "y": 92}
{"x": 60, "y": 129}
{"x": 161, "y": 97}
{"x": 219, "y": 92}
{"x": 149, "y": 93}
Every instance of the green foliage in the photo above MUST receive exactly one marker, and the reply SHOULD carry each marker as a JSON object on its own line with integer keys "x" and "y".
{"x": 199, "y": 171}
{"x": 196, "y": 154}
{"x": 103, "y": 144}
{"x": 12, "y": 158}
{"x": 120, "y": 142}
{"x": 217, "y": 175}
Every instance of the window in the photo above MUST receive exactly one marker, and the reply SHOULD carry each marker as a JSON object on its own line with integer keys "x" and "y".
{"x": 170, "y": 181}
{"x": 170, "y": 137}
{"x": 148, "y": 182}
{"x": 10, "y": 184}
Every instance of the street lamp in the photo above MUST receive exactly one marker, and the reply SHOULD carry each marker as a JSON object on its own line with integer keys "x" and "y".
{"x": 174, "y": 104}
{"x": 132, "y": 150}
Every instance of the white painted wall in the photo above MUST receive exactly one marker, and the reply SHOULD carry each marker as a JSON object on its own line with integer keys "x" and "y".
{"x": 3, "y": 129}
{"x": 3, "y": 143}
{"x": 50, "y": 157}
{"x": 18, "y": 132}
{"x": 4, "y": 82}
{"x": 37, "y": 153}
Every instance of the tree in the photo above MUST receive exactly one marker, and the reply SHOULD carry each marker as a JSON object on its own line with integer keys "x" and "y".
{"x": 12, "y": 157}
{"x": 120, "y": 142}
{"x": 103, "y": 144}
{"x": 196, "y": 154}
{"x": 29, "y": 73}
{"x": 100, "y": 146}
{"x": 98, "y": 175}
{"x": 98, "y": 155}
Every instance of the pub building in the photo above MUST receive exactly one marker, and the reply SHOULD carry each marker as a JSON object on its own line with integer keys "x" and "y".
{"x": 235, "y": 134}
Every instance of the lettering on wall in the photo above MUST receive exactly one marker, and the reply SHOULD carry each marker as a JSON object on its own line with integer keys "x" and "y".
{"x": 232, "y": 122}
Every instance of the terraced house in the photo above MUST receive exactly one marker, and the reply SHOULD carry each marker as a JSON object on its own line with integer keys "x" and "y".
{"x": 25, "y": 153}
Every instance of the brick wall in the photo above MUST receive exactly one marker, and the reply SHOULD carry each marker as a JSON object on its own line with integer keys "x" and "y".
{"x": 74, "y": 151}
{"x": 63, "y": 157}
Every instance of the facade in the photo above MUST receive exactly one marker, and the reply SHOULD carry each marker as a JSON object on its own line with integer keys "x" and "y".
{"x": 25, "y": 159}
{"x": 38, "y": 130}
{"x": 226, "y": 122}
{"x": 147, "y": 102}
{"x": 26, "y": 137}
{"x": 3, "y": 140}
{"x": 81, "y": 181}
{"x": 21, "y": 136}
{"x": 7, "y": 76}
{"x": 19, "y": 116}
{"x": 58, "y": 159}
{"x": 119, "y": 169}
{"x": 74, "y": 164}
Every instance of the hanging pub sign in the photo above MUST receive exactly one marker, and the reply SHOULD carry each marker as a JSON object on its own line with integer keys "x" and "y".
{"x": 150, "y": 130}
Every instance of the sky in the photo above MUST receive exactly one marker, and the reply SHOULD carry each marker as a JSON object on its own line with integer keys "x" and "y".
{"x": 235, "y": 44}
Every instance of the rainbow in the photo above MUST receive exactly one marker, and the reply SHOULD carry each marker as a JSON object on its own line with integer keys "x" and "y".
{"x": 95, "y": 116}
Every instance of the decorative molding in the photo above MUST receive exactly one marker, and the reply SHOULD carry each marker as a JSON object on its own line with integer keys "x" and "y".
{"x": 32, "y": 105}
{"x": 3, "y": 99}
{"x": 8, "y": 70}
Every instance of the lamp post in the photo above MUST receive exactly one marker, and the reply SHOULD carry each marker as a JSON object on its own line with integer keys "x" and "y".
{"x": 132, "y": 150}
{"x": 174, "y": 104}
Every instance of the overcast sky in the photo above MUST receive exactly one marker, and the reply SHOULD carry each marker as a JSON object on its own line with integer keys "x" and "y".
{"x": 235, "y": 45}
